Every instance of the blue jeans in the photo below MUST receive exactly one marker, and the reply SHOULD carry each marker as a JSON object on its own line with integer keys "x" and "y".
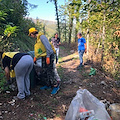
{"x": 81, "y": 52}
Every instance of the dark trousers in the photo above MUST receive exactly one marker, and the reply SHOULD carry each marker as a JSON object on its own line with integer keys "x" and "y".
{"x": 51, "y": 80}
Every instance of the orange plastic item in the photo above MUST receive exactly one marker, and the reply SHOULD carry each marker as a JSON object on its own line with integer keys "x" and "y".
{"x": 35, "y": 59}
{"x": 83, "y": 110}
{"x": 48, "y": 60}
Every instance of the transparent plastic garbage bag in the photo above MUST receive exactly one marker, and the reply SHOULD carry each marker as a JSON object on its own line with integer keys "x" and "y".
{"x": 84, "y": 99}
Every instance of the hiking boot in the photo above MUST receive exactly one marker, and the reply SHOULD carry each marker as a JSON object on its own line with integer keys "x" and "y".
{"x": 27, "y": 96}
{"x": 55, "y": 90}
{"x": 79, "y": 67}
{"x": 45, "y": 87}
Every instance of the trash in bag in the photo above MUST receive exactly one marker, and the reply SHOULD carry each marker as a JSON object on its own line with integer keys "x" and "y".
{"x": 85, "y": 106}
{"x": 92, "y": 71}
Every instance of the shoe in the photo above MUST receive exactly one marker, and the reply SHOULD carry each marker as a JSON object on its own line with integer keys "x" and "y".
{"x": 45, "y": 87}
{"x": 55, "y": 90}
{"x": 79, "y": 67}
{"x": 27, "y": 96}
{"x": 16, "y": 98}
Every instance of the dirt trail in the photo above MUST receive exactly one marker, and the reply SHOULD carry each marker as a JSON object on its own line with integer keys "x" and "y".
{"x": 42, "y": 105}
{"x": 80, "y": 78}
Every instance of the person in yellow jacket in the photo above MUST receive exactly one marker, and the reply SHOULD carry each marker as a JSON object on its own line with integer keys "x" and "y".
{"x": 43, "y": 48}
{"x": 22, "y": 64}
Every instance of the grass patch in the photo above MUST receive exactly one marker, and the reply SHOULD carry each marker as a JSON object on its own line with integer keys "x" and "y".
{"x": 61, "y": 47}
{"x": 60, "y": 59}
{"x": 58, "y": 115}
{"x": 61, "y": 93}
{"x": 85, "y": 74}
{"x": 50, "y": 108}
{"x": 42, "y": 106}
{"x": 76, "y": 58}
{"x": 61, "y": 71}
{"x": 66, "y": 50}
{"x": 3, "y": 81}
{"x": 41, "y": 116}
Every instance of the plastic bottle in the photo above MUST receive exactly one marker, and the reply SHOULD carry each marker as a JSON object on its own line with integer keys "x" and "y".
{"x": 86, "y": 114}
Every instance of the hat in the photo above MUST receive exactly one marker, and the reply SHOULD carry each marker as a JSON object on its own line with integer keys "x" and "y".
{"x": 31, "y": 30}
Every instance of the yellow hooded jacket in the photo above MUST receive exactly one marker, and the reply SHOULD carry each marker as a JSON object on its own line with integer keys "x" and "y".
{"x": 11, "y": 55}
{"x": 39, "y": 48}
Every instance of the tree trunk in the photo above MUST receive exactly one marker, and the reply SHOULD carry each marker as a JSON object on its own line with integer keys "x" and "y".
{"x": 103, "y": 38}
{"x": 88, "y": 36}
{"x": 97, "y": 51}
{"x": 71, "y": 12}
{"x": 77, "y": 22}
{"x": 58, "y": 25}
{"x": 88, "y": 33}
{"x": 76, "y": 31}
{"x": 65, "y": 26}
{"x": 70, "y": 29}
{"x": 65, "y": 31}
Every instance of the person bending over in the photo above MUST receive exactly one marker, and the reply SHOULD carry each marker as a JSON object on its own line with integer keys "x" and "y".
{"x": 22, "y": 64}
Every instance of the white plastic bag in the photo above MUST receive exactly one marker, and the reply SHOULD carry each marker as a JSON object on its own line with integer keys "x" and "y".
{"x": 84, "y": 99}
{"x": 39, "y": 62}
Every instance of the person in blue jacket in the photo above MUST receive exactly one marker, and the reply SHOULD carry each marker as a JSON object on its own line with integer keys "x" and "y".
{"x": 82, "y": 47}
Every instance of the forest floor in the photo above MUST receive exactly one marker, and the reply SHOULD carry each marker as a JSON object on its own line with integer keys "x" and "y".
{"x": 41, "y": 105}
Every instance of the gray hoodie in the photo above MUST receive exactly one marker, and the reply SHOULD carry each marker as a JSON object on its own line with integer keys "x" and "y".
{"x": 47, "y": 45}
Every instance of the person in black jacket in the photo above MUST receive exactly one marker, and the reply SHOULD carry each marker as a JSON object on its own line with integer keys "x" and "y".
{"x": 22, "y": 64}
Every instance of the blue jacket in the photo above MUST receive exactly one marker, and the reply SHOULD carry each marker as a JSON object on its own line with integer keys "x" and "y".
{"x": 81, "y": 42}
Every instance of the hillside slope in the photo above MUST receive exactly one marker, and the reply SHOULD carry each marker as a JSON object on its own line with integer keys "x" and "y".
{"x": 50, "y": 26}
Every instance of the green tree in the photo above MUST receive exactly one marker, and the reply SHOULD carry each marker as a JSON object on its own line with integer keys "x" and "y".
{"x": 57, "y": 15}
{"x": 13, "y": 24}
{"x": 71, "y": 10}
{"x": 103, "y": 22}
{"x": 63, "y": 12}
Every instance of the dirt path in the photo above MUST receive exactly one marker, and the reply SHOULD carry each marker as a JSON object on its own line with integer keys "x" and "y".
{"x": 42, "y": 105}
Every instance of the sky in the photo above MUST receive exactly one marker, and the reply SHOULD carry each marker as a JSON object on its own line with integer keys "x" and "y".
{"x": 44, "y": 10}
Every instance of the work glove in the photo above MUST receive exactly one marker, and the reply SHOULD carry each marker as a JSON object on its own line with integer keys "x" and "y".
{"x": 48, "y": 60}
{"x": 35, "y": 59}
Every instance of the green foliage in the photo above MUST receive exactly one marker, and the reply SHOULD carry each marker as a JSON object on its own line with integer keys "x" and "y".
{"x": 14, "y": 26}
{"x": 15, "y": 10}
{"x": 2, "y": 81}
{"x": 69, "y": 14}
{"x": 2, "y": 15}
{"x": 10, "y": 30}
{"x": 101, "y": 18}
{"x": 57, "y": 16}
{"x": 92, "y": 71}
{"x": 104, "y": 15}
{"x": 23, "y": 43}
{"x": 25, "y": 25}
{"x": 14, "y": 30}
